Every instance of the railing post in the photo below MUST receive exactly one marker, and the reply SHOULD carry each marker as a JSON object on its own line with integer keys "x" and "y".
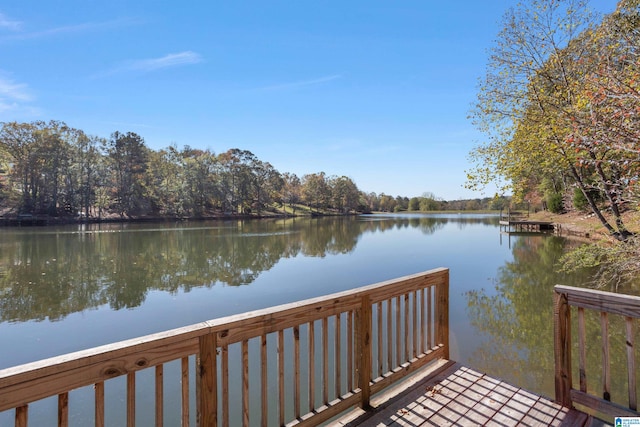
{"x": 363, "y": 340}
{"x": 442, "y": 313}
{"x": 22, "y": 416}
{"x": 208, "y": 380}
{"x": 562, "y": 348}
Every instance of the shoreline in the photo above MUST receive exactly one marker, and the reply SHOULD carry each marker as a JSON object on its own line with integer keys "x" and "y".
{"x": 586, "y": 225}
{"x": 46, "y": 220}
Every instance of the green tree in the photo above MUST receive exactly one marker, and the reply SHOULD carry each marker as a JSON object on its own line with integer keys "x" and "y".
{"x": 41, "y": 156}
{"x": 387, "y": 203}
{"x": 54, "y": 158}
{"x": 316, "y": 191}
{"x": 265, "y": 183}
{"x": 87, "y": 164}
{"x": 129, "y": 157}
{"x": 345, "y": 195}
{"x": 165, "y": 182}
{"x": 499, "y": 203}
{"x": 414, "y": 204}
{"x": 291, "y": 190}
{"x": 20, "y": 142}
{"x": 429, "y": 202}
{"x": 235, "y": 178}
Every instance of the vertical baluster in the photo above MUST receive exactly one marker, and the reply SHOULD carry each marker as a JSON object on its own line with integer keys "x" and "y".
{"x": 131, "y": 399}
{"x": 185, "y": 390}
{"x": 263, "y": 381}
{"x": 312, "y": 366}
{"x": 159, "y": 395}
{"x": 606, "y": 372}
{"x": 364, "y": 347}
{"x": 224, "y": 355}
{"x": 350, "y": 350}
{"x": 414, "y": 347}
{"x": 281, "y": 376}
{"x": 296, "y": 372}
{"x": 245, "y": 383}
{"x": 631, "y": 364}
{"x": 207, "y": 371}
{"x": 63, "y": 409}
{"x": 198, "y": 380}
{"x": 389, "y": 335}
{"x": 380, "y": 370}
{"x": 337, "y": 360}
{"x": 99, "y": 404}
{"x": 430, "y": 319}
{"x": 407, "y": 334}
{"x": 582, "y": 348}
{"x": 325, "y": 360}
{"x": 398, "y": 334}
{"x": 424, "y": 323}
{"x": 442, "y": 301}
{"x": 22, "y": 418}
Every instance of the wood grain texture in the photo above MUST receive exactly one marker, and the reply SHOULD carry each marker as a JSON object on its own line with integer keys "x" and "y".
{"x": 350, "y": 338}
{"x": 63, "y": 409}
{"x": 159, "y": 395}
{"x": 562, "y": 348}
{"x": 184, "y": 381}
{"x": 208, "y": 380}
{"x": 99, "y": 404}
{"x": 605, "y": 304}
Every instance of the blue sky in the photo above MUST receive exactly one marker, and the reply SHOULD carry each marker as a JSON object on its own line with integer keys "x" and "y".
{"x": 378, "y": 91}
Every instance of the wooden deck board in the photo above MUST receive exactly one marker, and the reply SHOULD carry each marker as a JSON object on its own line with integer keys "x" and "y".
{"x": 459, "y": 396}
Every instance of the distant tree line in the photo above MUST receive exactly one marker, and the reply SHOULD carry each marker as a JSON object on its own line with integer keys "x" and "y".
{"x": 429, "y": 202}
{"x": 49, "y": 168}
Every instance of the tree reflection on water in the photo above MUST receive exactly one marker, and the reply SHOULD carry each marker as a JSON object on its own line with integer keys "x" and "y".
{"x": 516, "y": 319}
{"x": 51, "y": 273}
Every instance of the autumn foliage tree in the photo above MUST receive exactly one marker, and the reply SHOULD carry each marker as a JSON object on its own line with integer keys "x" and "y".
{"x": 559, "y": 105}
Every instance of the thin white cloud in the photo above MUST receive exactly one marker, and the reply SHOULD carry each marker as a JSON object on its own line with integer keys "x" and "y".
{"x": 9, "y": 90}
{"x": 69, "y": 29}
{"x": 153, "y": 64}
{"x": 9, "y": 24}
{"x": 171, "y": 60}
{"x": 302, "y": 83}
{"x": 14, "y": 97}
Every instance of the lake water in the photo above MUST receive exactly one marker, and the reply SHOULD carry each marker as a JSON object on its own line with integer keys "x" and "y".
{"x": 68, "y": 288}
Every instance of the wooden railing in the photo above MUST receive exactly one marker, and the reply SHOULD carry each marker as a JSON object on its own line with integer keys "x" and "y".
{"x": 296, "y": 364}
{"x": 625, "y": 310}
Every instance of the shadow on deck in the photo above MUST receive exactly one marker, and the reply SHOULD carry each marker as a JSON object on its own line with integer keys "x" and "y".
{"x": 452, "y": 394}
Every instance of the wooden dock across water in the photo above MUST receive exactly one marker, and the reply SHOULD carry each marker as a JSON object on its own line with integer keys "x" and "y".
{"x": 516, "y": 223}
{"x": 511, "y": 225}
{"x": 459, "y": 396}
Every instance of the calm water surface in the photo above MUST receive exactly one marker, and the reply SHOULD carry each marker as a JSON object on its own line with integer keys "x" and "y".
{"x": 69, "y": 288}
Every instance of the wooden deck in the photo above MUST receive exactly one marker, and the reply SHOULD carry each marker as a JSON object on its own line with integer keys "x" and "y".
{"x": 453, "y": 394}
{"x": 382, "y": 347}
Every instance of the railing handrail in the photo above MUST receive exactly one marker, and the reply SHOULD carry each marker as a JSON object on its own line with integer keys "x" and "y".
{"x": 605, "y": 303}
{"x": 610, "y": 302}
{"x": 21, "y": 385}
